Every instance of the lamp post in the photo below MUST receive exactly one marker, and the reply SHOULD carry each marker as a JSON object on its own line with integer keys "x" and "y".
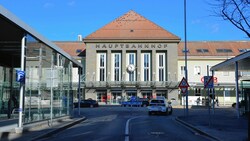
{"x": 185, "y": 45}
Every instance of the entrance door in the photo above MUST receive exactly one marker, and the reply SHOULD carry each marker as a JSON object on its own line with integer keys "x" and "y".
{"x": 129, "y": 95}
{"x": 147, "y": 95}
{"x": 116, "y": 98}
{"x": 102, "y": 97}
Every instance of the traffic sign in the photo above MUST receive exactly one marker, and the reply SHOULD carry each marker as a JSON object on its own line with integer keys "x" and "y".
{"x": 215, "y": 80}
{"x": 208, "y": 82}
{"x": 184, "y": 89}
{"x": 20, "y": 76}
{"x": 183, "y": 83}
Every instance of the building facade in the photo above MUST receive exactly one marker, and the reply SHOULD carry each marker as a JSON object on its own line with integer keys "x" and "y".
{"x": 130, "y": 56}
{"x": 201, "y": 57}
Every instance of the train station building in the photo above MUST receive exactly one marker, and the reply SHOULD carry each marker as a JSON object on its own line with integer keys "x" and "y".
{"x": 131, "y": 56}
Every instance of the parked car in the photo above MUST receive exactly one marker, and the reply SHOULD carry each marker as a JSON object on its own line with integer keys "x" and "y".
{"x": 136, "y": 102}
{"x": 160, "y": 106}
{"x": 145, "y": 102}
{"x": 87, "y": 103}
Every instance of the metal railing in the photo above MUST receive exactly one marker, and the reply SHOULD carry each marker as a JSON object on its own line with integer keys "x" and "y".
{"x": 138, "y": 84}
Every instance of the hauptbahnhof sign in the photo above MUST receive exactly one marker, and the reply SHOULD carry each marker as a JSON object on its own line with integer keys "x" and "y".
{"x": 135, "y": 46}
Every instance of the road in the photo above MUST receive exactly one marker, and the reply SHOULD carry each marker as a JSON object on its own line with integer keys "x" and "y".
{"x": 126, "y": 124}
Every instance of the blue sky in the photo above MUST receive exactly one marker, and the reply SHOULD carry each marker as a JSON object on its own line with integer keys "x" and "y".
{"x": 63, "y": 20}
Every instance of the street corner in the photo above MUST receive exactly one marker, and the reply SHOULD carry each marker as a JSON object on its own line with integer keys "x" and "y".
{"x": 194, "y": 129}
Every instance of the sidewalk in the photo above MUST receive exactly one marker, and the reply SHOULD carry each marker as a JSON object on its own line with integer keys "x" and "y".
{"x": 223, "y": 125}
{"x": 35, "y": 131}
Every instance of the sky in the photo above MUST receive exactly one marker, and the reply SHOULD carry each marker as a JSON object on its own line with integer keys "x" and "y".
{"x": 64, "y": 20}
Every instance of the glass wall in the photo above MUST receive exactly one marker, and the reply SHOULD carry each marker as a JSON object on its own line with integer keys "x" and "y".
{"x": 48, "y": 83}
{"x": 9, "y": 91}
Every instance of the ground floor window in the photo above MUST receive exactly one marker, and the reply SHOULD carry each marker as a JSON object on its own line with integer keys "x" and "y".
{"x": 162, "y": 94}
{"x": 129, "y": 95}
{"x": 116, "y": 98}
{"x": 147, "y": 95}
{"x": 102, "y": 97}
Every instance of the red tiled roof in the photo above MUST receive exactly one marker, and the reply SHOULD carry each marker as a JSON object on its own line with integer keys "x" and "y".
{"x": 132, "y": 26}
{"x": 72, "y": 48}
{"x": 212, "y": 46}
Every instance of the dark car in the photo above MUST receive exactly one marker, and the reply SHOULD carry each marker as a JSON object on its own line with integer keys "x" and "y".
{"x": 87, "y": 103}
{"x": 145, "y": 102}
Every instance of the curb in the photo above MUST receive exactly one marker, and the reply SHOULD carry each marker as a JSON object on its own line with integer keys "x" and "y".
{"x": 196, "y": 129}
{"x": 61, "y": 128}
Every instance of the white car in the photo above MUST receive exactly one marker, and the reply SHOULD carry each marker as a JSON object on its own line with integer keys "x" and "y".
{"x": 160, "y": 106}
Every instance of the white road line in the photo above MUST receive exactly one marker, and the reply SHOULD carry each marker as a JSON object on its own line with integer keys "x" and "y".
{"x": 127, "y": 128}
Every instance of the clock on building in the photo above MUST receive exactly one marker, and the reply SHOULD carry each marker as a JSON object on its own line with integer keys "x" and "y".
{"x": 131, "y": 68}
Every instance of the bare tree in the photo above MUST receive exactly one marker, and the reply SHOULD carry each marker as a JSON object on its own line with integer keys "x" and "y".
{"x": 235, "y": 11}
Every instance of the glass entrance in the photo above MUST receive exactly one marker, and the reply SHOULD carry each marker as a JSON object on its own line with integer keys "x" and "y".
{"x": 129, "y": 95}
{"x": 116, "y": 98}
{"x": 102, "y": 97}
{"x": 147, "y": 95}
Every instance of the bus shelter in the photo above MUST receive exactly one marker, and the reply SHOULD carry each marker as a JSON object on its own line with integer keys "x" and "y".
{"x": 240, "y": 65}
{"x": 46, "y": 91}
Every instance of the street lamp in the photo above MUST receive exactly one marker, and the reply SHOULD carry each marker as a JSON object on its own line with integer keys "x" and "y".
{"x": 185, "y": 45}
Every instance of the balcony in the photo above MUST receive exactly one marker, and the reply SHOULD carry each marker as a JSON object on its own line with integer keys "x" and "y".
{"x": 127, "y": 84}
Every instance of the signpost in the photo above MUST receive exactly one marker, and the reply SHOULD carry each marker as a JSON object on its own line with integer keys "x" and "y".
{"x": 184, "y": 87}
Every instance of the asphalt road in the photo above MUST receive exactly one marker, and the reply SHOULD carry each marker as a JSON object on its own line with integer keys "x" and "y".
{"x": 126, "y": 124}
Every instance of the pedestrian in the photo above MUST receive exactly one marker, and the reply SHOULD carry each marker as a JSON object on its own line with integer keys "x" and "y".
{"x": 198, "y": 100}
{"x": 217, "y": 102}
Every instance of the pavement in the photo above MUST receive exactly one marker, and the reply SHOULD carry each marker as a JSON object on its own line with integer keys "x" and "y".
{"x": 221, "y": 124}
{"x": 36, "y": 131}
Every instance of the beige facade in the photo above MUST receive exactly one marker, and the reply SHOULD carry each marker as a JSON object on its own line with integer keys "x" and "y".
{"x": 145, "y": 82}
{"x": 201, "y": 57}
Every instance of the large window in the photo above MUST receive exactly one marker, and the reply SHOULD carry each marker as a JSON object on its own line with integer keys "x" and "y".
{"x": 131, "y": 64}
{"x": 146, "y": 64}
{"x": 101, "y": 67}
{"x": 197, "y": 70}
{"x": 161, "y": 67}
{"x": 182, "y": 72}
{"x": 116, "y": 67}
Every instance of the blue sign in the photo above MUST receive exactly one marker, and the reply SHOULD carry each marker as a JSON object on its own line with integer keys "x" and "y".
{"x": 20, "y": 76}
{"x": 208, "y": 82}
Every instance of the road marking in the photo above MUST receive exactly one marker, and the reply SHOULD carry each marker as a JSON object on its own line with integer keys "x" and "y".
{"x": 127, "y": 128}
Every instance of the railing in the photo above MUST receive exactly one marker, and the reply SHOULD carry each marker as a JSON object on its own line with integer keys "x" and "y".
{"x": 138, "y": 84}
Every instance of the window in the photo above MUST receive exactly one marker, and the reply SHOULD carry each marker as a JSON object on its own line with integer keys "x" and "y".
{"x": 243, "y": 50}
{"x": 197, "y": 92}
{"x": 197, "y": 70}
{"x": 131, "y": 60}
{"x": 182, "y": 70}
{"x": 227, "y": 92}
{"x": 161, "y": 69}
{"x": 225, "y": 73}
{"x": 224, "y": 50}
{"x": 202, "y": 50}
{"x": 101, "y": 67}
{"x": 78, "y": 50}
{"x": 146, "y": 63}
{"x": 210, "y": 72}
{"x": 116, "y": 67}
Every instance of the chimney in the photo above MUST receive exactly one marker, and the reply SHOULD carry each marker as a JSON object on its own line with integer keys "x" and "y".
{"x": 79, "y": 38}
